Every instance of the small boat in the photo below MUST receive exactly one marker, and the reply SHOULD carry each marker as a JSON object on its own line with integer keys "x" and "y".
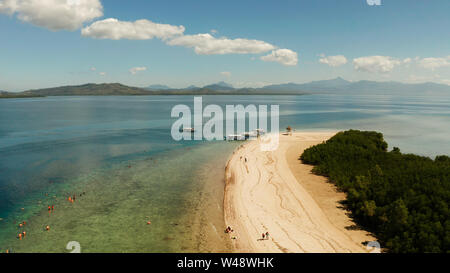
{"x": 235, "y": 137}
{"x": 190, "y": 130}
{"x": 248, "y": 135}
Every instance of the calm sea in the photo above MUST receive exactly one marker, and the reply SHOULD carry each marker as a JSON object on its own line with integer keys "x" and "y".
{"x": 116, "y": 155}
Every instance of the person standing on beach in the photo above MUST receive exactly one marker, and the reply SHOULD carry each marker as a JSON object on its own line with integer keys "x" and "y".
{"x": 263, "y": 235}
{"x": 267, "y": 235}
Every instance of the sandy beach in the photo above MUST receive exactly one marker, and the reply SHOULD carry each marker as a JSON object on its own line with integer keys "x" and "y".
{"x": 273, "y": 192}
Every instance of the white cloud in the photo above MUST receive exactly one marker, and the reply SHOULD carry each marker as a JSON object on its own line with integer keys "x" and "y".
{"x": 283, "y": 56}
{"x": 54, "y": 14}
{"x": 102, "y": 73}
{"x": 93, "y": 68}
{"x": 225, "y": 73}
{"x": 379, "y": 64}
{"x": 333, "y": 61}
{"x": 213, "y": 31}
{"x": 114, "y": 29}
{"x": 203, "y": 43}
{"x": 407, "y": 60}
{"x": 206, "y": 44}
{"x": 135, "y": 70}
{"x": 434, "y": 63}
{"x": 447, "y": 82}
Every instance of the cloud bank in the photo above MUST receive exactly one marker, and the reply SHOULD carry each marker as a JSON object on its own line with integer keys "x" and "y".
{"x": 206, "y": 44}
{"x": 285, "y": 57}
{"x": 114, "y": 29}
{"x": 135, "y": 70}
{"x": 202, "y": 43}
{"x": 434, "y": 63}
{"x": 333, "y": 61}
{"x": 73, "y": 14}
{"x": 54, "y": 14}
{"x": 376, "y": 64}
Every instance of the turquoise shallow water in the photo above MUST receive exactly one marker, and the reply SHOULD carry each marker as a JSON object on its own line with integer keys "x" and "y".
{"x": 118, "y": 150}
{"x": 113, "y": 205}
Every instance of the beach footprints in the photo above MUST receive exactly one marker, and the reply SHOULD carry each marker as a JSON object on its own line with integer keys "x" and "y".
{"x": 373, "y": 247}
{"x": 74, "y": 246}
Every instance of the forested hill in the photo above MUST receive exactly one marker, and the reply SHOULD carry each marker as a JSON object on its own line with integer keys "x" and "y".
{"x": 117, "y": 89}
{"x": 402, "y": 198}
{"x": 90, "y": 90}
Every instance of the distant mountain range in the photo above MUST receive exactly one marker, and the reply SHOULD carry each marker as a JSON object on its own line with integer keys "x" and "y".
{"x": 340, "y": 85}
{"x": 158, "y": 87}
{"x": 335, "y": 86}
{"x": 220, "y": 86}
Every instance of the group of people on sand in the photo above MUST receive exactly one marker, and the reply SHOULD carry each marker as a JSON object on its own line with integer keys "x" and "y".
{"x": 245, "y": 159}
{"x": 230, "y": 230}
{"x": 265, "y": 236}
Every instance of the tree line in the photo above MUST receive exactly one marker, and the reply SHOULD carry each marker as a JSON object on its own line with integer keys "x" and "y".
{"x": 402, "y": 198}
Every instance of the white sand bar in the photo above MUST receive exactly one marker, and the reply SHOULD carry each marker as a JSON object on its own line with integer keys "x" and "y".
{"x": 273, "y": 192}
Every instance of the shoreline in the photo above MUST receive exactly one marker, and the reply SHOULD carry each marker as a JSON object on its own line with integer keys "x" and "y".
{"x": 273, "y": 192}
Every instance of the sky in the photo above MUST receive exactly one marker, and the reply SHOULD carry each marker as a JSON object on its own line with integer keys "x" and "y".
{"x": 248, "y": 43}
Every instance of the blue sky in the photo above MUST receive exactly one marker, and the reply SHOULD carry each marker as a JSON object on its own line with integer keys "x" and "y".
{"x": 401, "y": 40}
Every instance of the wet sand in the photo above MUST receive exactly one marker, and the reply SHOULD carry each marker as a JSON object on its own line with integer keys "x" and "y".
{"x": 273, "y": 192}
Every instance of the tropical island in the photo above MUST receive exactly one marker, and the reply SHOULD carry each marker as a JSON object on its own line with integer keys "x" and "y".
{"x": 402, "y": 198}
